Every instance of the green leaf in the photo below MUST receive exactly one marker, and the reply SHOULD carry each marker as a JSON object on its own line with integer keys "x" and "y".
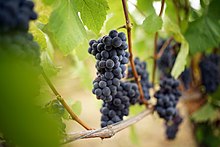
{"x": 82, "y": 51}
{"x": 134, "y": 136}
{"x": 48, "y": 65}
{"x": 116, "y": 17}
{"x": 181, "y": 60}
{"x": 38, "y": 36}
{"x": 65, "y": 28}
{"x": 146, "y": 6}
{"x": 204, "y": 32}
{"x": 216, "y": 94}
{"x": 93, "y": 13}
{"x": 206, "y": 113}
{"x": 77, "y": 107}
{"x": 48, "y": 2}
{"x": 152, "y": 23}
{"x": 22, "y": 122}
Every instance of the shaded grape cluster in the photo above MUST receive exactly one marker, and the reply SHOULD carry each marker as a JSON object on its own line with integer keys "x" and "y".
{"x": 173, "y": 127}
{"x": 167, "y": 98}
{"x": 110, "y": 53}
{"x": 210, "y": 72}
{"x": 16, "y": 14}
{"x": 186, "y": 78}
{"x": 141, "y": 68}
{"x": 168, "y": 58}
{"x": 20, "y": 45}
{"x": 114, "y": 111}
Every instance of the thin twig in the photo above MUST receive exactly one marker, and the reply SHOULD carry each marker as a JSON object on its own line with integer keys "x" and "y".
{"x": 109, "y": 131}
{"x": 62, "y": 101}
{"x": 128, "y": 27}
{"x": 162, "y": 49}
{"x": 155, "y": 46}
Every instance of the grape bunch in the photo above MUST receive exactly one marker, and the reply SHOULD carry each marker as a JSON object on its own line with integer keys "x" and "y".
{"x": 168, "y": 58}
{"x": 20, "y": 45}
{"x": 110, "y": 53}
{"x": 15, "y": 42}
{"x": 16, "y": 14}
{"x": 186, "y": 77}
{"x": 141, "y": 68}
{"x": 167, "y": 98}
{"x": 173, "y": 127}
{"x": 114, "y": 111}
{"x": 210, "y": 72}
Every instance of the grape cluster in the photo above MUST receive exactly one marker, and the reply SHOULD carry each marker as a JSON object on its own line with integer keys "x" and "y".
{"x": 16, "y": 14}
{"x": 186, "y": 77}
{"x": 168, "y": 58}
{"x": 210, "y": 72}
{"x": 20, "y": 45}
{"x": 141, "y": 68}
{"x": 110, "y": 53}
{"x": 173, "y": 127}
{"x": 167, "y": 98}
{"x": 115, "y": 110}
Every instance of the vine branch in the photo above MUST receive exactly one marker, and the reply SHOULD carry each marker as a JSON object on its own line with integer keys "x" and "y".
{"x": 155, "y": 45}
{"x": 63, "y": 102}
{"x": 128, "y": 28}
{"x": 162, "y": 49}
{"x": 109, "y": 131}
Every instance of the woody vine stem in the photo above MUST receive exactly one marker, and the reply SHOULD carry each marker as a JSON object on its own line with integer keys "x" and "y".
{"x": 128, "y": 28}
{"x": 63, "y": 102}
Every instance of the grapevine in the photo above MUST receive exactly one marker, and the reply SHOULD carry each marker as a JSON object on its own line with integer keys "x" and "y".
{"x": 161, "y": 59}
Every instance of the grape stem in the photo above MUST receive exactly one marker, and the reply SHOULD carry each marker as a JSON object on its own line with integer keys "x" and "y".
{"x": 109, "y": 131}
{"x": 63, "y": 102}
{"x": 128, "y": 28}
{"x": 155, "y": 46}
{"x": 162, "y": 49}
{"x": 112, "y": 130}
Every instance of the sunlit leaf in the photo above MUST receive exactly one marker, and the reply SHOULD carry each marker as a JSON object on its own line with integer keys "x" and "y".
{"x": 152, "y": 23}
{"x": 65, "y": 28}
{"x": 93, "y": 13}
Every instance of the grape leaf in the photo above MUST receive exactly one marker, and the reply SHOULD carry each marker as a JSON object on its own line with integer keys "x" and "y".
{"x": 77, "y": 107}
{"x": 145, "y": 6}
{"x": 204, "y": 32}
{"x": 179, "y": 66}
{"x": 116, "y": 17}
{"x": 152, "y": 23}
{"x": 181, "y": 61}
{"x": 38, "y": 36}
{"x": 65, "y": 28}
{"x": 93, "y": 13}
{"x": 48, "y": 2}
{"x": 206, "y": 113}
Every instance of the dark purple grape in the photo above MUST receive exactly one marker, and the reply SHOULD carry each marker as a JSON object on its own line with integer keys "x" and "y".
{"x": 116, "y": 42}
